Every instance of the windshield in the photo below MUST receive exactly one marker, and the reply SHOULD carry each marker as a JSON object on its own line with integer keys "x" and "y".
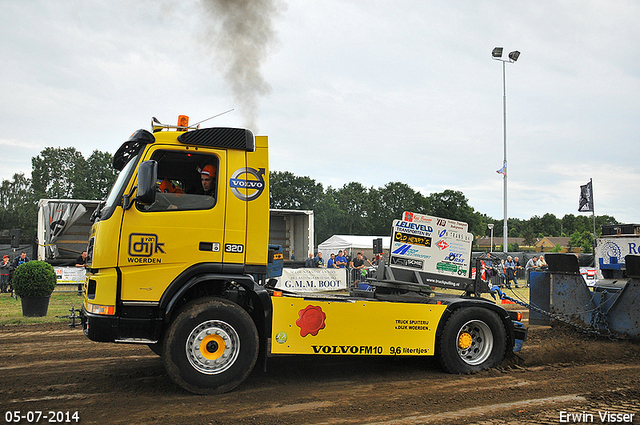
{"x": 115, "y": 196}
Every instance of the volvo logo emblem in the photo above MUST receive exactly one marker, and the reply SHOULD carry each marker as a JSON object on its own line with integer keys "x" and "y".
{"x": 247, "y": 183}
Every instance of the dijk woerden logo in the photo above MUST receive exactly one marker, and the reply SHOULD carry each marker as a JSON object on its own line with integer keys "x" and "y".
{"x": 247, "y": 183}
{"x": 144, "y": 245}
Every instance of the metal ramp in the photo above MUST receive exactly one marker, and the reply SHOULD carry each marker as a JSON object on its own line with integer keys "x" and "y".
{"x": 610, "y": 308}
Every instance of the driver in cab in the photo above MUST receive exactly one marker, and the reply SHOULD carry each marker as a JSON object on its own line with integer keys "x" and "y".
{"x": 207, "y": 178}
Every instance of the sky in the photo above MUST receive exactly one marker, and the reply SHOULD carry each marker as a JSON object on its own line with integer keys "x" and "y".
{"x": 373, "y": 92}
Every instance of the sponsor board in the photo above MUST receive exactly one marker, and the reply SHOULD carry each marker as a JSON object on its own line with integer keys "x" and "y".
{"x": 431, "y": 244}
{"x": 70, "y": 274}
{"x": 312, "y": 280}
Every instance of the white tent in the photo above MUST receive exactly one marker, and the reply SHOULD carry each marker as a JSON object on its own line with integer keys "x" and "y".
{"x": 352, "y": 243}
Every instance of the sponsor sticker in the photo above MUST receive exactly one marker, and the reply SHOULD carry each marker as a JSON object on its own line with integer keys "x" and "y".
{"x": 407, "y": 262}
{"x": 435, "y": 221}
{"x": 144, "y": 245}
{"x": 311, "y": 320}
{"x": 412, "y": 239}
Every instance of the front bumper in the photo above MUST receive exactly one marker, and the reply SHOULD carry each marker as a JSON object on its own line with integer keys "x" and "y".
{"x": 102, "y": 328}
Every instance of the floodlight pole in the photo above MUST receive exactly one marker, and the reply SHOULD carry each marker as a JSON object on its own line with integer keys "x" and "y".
{"x": 505, "y": 226}
{"x": 490, "y": 226}
{"x": 513, "y": 56}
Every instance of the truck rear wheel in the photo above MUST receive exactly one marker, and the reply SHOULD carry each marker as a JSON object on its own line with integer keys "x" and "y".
{"x": 473, "y": 339}
{"x": 211, "y": 346}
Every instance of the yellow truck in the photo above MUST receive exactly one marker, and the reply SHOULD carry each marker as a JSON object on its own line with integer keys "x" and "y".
{"x": 178, "y": 259}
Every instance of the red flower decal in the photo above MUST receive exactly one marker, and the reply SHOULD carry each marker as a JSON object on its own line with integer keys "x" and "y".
{"x": 311, "y": 320}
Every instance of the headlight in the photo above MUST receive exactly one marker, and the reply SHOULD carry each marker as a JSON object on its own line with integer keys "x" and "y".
{"x": 101, "y": 309}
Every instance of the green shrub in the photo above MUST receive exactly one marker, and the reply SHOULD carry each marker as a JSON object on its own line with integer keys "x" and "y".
{"x": 34, "y": 279}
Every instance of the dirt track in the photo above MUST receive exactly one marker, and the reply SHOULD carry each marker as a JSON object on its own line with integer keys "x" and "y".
{"x": 54, "y": 368}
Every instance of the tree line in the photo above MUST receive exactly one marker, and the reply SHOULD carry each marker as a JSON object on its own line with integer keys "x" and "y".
{"x": 353, "y": 209}
{"x": 56, "y": 173}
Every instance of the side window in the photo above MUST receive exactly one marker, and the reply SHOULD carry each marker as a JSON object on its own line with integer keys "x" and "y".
{"x": 186, "y": 181}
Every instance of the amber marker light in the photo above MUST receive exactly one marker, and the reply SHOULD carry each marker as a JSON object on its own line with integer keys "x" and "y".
{"x": 277, "y": 293}
{"x": 183, "y": 121}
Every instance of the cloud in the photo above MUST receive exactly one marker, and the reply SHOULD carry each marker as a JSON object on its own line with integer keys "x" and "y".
{"x": 347, "y": 91}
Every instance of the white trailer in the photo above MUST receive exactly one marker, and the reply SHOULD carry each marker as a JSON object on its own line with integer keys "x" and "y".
{"x": 63, "y": 229}
{"x": 293, "y": 231}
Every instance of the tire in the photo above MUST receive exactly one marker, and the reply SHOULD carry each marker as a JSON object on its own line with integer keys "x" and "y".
{"x": 473, "y": 339}
{"x": 211, "y": 346}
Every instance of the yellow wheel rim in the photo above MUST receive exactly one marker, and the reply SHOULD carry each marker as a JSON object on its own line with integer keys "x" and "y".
{"x": 205, "y": 347}
{"x": 464, "y": 340}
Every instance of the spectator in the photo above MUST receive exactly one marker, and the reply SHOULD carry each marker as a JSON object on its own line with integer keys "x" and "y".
{"x": 331, "y": 264}
{"x": 364, "y": 257}
{"x": 81, "y": 261}
{"x": 510, "y": 269}
{"x": 347, "y": 257}
{"x": 341, "y": 261}
{"x": 318, "y": 261}
{"x": 5, "y": 274}
{"x": 486, "y": 265}
{"x": 532, "y": 265}
{"x": 542, "y": 263}
{"x": 357, "y": 265}
{"x": 516, "y": 269}
{"x": 309, "y": 261}
{"x": 20, "y": 260}
{"x": 501, "y": 272}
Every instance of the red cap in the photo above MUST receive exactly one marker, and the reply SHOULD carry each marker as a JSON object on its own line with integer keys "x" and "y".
{"x": 209, "y": 170}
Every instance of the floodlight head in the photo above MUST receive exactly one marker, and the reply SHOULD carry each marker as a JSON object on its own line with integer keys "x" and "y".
{"x": 490, "y": 226}
{"x": 514, "y": 55}
{"x": 497, "y": 52}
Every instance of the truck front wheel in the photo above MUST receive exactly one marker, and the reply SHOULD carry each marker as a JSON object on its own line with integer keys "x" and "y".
{"x": 211, "y": 346}
{"x": 473, "y": 339}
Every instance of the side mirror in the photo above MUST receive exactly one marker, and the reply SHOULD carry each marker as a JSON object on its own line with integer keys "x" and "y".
{"x": 147, "y": 176}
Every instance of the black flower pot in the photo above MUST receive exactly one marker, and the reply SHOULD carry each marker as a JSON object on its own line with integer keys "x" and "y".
{"x": 35, "y": 306}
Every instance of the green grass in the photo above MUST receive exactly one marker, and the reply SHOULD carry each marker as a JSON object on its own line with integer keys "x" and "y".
{"x": 59, "y": 305}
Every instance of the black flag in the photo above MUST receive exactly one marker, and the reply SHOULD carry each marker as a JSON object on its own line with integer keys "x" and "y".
{"x": 586, "y": 198}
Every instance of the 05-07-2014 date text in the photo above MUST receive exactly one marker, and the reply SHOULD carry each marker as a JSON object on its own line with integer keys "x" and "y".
{"x": 39, "y": 416}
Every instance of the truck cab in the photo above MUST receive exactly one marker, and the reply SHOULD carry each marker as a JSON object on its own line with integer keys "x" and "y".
{"x": 160, "y": 239}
